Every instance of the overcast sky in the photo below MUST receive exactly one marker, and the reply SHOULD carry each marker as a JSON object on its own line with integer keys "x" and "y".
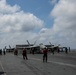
{"x": 43, "y": 21}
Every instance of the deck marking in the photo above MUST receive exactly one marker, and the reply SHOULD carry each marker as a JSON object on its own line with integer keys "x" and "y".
{"x": 2, "y": 68}
{"x": 59, "y": 63}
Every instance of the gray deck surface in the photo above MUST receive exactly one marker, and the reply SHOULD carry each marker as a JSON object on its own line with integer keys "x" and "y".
{"x": 58, "y": 64}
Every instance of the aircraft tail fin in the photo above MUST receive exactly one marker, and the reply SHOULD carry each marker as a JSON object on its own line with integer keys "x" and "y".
{"x": 50, "y": 43}
{"x": 28, "y": 42}
{"x": 9, "y": 46}
{"x": 35, "y": 42}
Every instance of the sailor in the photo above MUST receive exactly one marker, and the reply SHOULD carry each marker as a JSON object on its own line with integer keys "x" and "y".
{"x": 66, "y": 50}
{"x": 4, "y": 52}
{"x": 24, "y": 53}
{"x": 16, "y": 52}
{"x": 45, "y": 51}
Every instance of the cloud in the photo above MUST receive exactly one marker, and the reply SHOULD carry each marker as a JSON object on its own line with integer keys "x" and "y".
{"x": 16, "y": 38}
{"x": 19, "y": 22}
{"x": 6, "y": 8}
{"x": 17, "y": 25}
{"x": 14, "y": 19}
{"x": 63, "y": 30}
{"x": 64, "y": 15}
{"x": 53, "y": 1}
{"x": 64, "y": 18}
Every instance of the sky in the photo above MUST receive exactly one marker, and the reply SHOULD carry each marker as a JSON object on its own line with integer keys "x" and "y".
{"x": 42, "y": 21}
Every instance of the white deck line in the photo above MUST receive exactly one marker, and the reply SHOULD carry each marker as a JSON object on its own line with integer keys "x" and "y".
{"x": 59, "y": 63}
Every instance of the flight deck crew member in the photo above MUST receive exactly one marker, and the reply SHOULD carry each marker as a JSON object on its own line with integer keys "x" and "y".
{"x": 45, "y": 51}
{"x": 66, "y": 50}
{"x": 24, "y": 54}
{"x": 4, "y": 52}
{"x": 16, "y": 52}
{"x": 32, "y": 50}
